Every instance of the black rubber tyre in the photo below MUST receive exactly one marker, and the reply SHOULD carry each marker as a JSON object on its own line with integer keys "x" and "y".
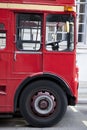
{"x": 43, "y": 103}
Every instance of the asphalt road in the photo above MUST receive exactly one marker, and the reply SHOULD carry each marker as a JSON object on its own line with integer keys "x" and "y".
{"x": 74, "y": 119}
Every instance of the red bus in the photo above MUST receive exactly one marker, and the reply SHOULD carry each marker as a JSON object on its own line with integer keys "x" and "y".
{"x": 38, "y": 72}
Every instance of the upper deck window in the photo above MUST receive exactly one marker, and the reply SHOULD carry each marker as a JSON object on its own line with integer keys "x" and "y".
{"x": 59, "y": 32}
{"x": 29, "y": 31}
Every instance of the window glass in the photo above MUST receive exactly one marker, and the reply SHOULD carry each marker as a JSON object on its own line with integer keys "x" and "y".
{"x": 2, "y": 36}
{"x": 29, "y": 31}
{"x": 59, "y": 32}
{"x": 2, "y": 40}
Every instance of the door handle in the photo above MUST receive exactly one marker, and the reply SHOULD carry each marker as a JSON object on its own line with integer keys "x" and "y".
{"x": 15, "y": 56}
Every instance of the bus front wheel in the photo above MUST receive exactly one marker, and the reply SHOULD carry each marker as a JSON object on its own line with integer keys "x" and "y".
{"x": 43, "y": 103}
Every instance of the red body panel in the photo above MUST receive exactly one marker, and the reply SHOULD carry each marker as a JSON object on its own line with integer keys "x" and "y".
{"x": 16, "y": 66}
{"x": 56, "y": 2}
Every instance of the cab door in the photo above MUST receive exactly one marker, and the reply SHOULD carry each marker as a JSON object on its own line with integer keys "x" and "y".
{"x": 28, "y": 49}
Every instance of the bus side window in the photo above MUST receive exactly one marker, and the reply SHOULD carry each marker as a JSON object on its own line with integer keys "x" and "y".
{"x": 29, "y": 32}
{"x": 59, "y": 32}
{"x": 2, "y": 36}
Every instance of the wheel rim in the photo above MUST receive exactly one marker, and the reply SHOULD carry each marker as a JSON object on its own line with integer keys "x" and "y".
{"x": 43, "y": 103}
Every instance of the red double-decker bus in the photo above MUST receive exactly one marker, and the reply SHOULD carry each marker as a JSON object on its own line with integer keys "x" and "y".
{"x": 38, "y": 73}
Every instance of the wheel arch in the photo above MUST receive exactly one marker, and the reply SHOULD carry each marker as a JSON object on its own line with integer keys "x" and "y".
{"x": 47, "y": 76}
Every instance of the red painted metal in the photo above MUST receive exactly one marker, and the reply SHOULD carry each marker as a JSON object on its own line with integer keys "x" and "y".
{"x": 56, "y": 2}
{"x": 13, "y": 73}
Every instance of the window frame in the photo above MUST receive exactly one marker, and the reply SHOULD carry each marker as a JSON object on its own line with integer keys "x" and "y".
{"x": 68, "y": 39}
{"x": 20, "y": 42}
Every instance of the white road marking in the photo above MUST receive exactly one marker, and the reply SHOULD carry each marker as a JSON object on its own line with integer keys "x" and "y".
{"x": 85, "y": 123}
{"x": 73, "y": 109}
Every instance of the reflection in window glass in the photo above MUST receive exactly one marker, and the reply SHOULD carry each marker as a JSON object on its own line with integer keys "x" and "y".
{"x": 59, "y": 32}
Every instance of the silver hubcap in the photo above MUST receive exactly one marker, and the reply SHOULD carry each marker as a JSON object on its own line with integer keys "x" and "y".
{"x": 43, "y": 103}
